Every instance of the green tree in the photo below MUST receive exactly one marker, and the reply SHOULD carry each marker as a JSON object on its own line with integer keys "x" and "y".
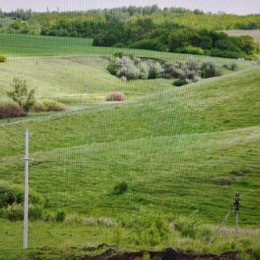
{"x": 21, "y": 95}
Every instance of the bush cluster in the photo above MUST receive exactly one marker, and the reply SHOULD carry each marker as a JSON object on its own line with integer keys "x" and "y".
{"x": 11, "y": 203}
{"x": 145, "y": 34}
{"x": 26, "y": 102}
{"x": 130, "y": 67}
{"x": 9, "y": 110}
{"x": 191, "y": 227}
{"x": 48, "y": 105}
{"x": 15, "y": 212}
{"x": 149, "y": 233}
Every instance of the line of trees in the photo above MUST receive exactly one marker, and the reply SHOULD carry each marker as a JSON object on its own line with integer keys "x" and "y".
{"x": 144, "y": 34}
{"x": 146, "y": 28}
{"x": 85, "y": 24}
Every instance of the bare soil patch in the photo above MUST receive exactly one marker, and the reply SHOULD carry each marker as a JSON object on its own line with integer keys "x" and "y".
{"x": 112, "y": 253}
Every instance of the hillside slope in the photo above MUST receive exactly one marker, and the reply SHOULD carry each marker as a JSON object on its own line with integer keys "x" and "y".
{"x": 167, "y": 147}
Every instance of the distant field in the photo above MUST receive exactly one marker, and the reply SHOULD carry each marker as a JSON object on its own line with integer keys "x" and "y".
{"x": 28, "y": 45}
{"x": 253, "y": 33}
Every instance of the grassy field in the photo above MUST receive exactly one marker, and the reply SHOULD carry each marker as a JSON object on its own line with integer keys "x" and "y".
{"x": 73, "y": 80}
{"x": 183, "y": 152}
{"x": 28, "y": 45}
{"x": 78, "y": 79}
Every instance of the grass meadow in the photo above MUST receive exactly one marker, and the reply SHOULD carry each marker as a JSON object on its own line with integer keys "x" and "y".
{"x": 183, "y": 152}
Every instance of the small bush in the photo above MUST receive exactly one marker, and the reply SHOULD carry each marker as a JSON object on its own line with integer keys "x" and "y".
{"x": 21, "y": 95}
{"x": 256, "y": 253}
{"x": 60, "y": 217}
{"x": 191, "y": 50}
{"x": 48, "y": 105}
{"x": 188, "y": 227}
{"x": 120, "y": 188}
{"x": 150, "y": 44}
{"x": 232, "y": 66}
{"x": 151, "y": 233}
{"x": 208, "y": 69}
{"x": 9, "y": 196}
{"x": 3, "y": 58}
{"x": 112, "y": 67}
{"x": 73, "y": 218}
{"x": 169, "y": 70}
{"x": 11, "y": 110}
{"x": 155, "y": 70}
{"x": 35, "y": 212}
{"x": 180, "y": 82}
{"x": 14, "y": 212}
{"x": 115, "y": 96}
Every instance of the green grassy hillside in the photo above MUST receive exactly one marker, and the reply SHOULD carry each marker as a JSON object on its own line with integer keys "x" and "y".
{"x": 183, "y": 152}
{"x": 80, "y": 80}
{"x": 180, "y": 151}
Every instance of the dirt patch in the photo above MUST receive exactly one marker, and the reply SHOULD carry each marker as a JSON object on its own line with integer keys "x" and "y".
{"x": 170, "y": 254}
{"x": 107, "y": 252}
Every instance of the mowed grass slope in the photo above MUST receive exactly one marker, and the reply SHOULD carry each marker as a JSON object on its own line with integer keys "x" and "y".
{"x": 182, "y": 150}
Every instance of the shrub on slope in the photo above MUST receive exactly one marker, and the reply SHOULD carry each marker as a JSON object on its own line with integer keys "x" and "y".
{"x": 9, "y": 110}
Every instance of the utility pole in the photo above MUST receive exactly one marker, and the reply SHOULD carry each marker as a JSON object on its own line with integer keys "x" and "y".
{"x": 237, "y": 208}
{"x": 26, "y": 190}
